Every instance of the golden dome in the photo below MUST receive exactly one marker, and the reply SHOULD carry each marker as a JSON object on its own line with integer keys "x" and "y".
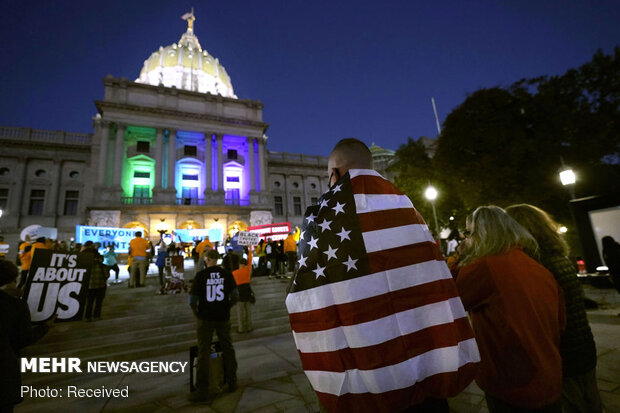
{"x": 185, "y": 65}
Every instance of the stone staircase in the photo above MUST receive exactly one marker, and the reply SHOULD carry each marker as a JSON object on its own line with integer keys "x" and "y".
{"x": 140, "y": 324}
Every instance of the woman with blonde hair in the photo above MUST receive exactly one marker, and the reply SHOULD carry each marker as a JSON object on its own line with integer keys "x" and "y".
{"x": 516, "y": 311}
{"x": 580, "y": 392}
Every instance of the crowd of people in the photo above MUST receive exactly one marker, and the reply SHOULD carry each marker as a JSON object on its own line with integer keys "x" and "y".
{"x": 510, "y": 268}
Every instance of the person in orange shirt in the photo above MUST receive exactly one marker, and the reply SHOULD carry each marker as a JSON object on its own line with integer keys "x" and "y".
{"x": 290, "y": 249}
{"x": 139, "y": 263}
{"x": 243, "y": 277}
{"x": 205, "y": 244}
{"x": 39, "y": 243}
{"x": 201, "y": 249}
{"x": 26, "y": 259}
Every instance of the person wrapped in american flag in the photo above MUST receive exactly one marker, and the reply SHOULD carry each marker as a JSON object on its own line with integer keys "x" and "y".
{"x": 374, "y": 311}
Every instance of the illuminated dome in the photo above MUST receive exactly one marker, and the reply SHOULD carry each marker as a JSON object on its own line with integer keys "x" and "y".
{"x": 185, "y": 65}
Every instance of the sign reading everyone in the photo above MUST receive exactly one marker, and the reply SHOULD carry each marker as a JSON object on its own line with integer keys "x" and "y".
{"x": 106, "y": 236}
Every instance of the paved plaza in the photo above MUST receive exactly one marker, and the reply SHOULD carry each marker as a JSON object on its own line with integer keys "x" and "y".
{"x": 270, "y": 375}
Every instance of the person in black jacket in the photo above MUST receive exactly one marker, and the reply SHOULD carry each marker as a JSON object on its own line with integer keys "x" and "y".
{"x": 580, "y": 393}
{"x": 611, "y": 254}
{"x": 16, "y": 333}
{"x": 212, "y": 295}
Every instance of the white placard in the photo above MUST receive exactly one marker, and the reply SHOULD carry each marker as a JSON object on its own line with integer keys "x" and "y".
{"x": 248, "y": 238}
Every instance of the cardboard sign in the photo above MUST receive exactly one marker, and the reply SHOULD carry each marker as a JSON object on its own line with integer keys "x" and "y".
{"x": 57, "y": 284}
{"x": 248, "y": 238}
{"x": 176, "y": 263}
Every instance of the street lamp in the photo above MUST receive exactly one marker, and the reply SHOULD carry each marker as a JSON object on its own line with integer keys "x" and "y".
{"x": 431, "y": 195}
{"x": 568, "y": 179}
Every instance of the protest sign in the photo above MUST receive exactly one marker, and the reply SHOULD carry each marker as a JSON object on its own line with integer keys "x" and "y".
{"x": 57, "y": 284}
{"x": 274, "y": 232}
{"x": 175, "y": 265}
{"x": 106, "y": 236}
{"x": 248, "y": 238}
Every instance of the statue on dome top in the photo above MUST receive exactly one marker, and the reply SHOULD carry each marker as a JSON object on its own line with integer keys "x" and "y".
{"x": 190, "y": 20}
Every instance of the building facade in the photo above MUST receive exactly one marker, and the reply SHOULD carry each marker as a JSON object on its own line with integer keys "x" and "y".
{"x": 175, "y": 149}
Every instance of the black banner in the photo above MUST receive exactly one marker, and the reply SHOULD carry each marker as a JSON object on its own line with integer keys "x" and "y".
{"x": 57, "y": 285}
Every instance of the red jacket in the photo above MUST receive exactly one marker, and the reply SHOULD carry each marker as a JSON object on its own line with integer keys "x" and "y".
{"x": 517, "y": 312}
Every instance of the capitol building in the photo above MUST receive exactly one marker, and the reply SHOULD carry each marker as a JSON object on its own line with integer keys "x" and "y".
{"x": 176, "y": 148}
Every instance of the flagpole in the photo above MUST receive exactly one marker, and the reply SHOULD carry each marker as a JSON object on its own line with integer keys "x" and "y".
{"x": 436, "y": 117}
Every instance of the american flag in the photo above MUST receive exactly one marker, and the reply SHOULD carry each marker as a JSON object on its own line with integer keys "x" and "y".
{"x": 375, "y": 313}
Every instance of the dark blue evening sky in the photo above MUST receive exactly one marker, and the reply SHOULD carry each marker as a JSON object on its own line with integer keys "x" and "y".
{"x": 324, "y": 69}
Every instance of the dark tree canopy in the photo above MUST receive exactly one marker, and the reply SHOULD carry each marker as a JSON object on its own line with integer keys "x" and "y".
{"x": 506, "y": 145}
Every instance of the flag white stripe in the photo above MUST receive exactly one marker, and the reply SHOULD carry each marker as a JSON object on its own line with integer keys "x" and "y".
{"x": 367, "y": 286}
{"x": 383, "y": 239}
{"x": 370, "y": 203}
{"x": 397, "y": 376}
{"x": 383, "y": 329}
{"x": 359, "y": 172}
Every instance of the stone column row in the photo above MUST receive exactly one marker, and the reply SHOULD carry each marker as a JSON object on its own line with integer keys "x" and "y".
{"x": 169, "y": 181}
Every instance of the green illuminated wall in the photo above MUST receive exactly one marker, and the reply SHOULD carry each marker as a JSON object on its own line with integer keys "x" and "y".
{"x": 138, "y": 162}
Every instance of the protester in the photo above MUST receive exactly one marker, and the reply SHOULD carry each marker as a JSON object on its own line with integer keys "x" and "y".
{"x": 16, "y": 333}
{"x": 110, "y": 262}
{"x": 611, "y": 254}
{"x": 26, "y": 261}
{"x": 375, "y": 313}
{"x": 454, "y": 239}
{"x": 138, "y": 247}
{"x": 290, "y": 249}
{"x": 271, "y": 255}
{"x": 212, "y": 294}
{"x": 162, "y": 254}
{"x": 97, "y": 284}
{"x": 202, "y": 249}
{"x": 39, "y": 243}
{"x": 579, "y": 389}
{"x": 4, "y": 248}
{"x": 243, "y": 277}
{"x": 262, "y": 256}
{"x": 517, "y": 312}
{"x": 280, "y": 258}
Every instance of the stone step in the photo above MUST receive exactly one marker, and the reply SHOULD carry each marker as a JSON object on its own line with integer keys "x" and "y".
{"x": 87, "y": 337}
{"x": 138, "y": 324}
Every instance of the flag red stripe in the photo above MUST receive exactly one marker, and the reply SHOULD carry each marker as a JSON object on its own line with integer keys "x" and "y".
{"x": 372, "y": 221}
{"x": 403, "y": 256}
{"x": 371, "y": 184}
{"x": 390, "y": 352}
{"x": 373, "y": 308}
{"x": 451, "y": 383}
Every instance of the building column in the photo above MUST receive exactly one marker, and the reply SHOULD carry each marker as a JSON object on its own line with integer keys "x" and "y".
{"x": 261, "y": 160}
{"x": 251, "y": 163}
{"x": 220, "y": 167}
{"x": 51, "y": 206}
{"x": 159, "y": 164}
{"x": 208, "y": 161}
{"x": 104, "y": 137}
{"x": 172, "y": 158}
{"x": 17, "y": 193}
{"x": 120, "y": 148}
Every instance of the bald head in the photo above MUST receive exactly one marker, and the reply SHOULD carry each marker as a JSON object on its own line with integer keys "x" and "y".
{"x": 349, "y": 153}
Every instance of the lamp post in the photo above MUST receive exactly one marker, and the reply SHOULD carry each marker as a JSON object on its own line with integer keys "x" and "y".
{"x": 568, "y": 179}
{"x": 431, "y": 195}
